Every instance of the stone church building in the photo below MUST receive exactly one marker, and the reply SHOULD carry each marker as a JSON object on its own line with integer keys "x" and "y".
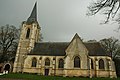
{"x": 74, "y": 58}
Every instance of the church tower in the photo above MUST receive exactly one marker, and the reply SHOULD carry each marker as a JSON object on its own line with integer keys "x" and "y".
{"x": 30, "y": 34}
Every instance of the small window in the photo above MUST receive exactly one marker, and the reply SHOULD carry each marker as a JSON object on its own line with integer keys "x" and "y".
{"x": 34, "y": 62}
{"x": 47, "y": 62}
{"x": 61, "y": 63}
{"x": 40, "y": 58}
{"x": 28, "y": 33}
{"x": 101, "y": 64}
{"x": 92, "y": 65}
{"x": 77, "y": 62}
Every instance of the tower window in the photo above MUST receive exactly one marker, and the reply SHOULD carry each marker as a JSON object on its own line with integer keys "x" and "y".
{"x": 28, "y": 33}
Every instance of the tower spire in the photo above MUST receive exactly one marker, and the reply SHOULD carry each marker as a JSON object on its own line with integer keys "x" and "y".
{"x": 33, "y": 16}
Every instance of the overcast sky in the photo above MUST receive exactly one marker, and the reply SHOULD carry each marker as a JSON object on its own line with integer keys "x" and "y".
{"x": 59, "y": 19}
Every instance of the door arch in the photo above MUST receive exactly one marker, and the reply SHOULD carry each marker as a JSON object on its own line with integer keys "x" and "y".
{"x": 46, "y": 72}
{"x": 7, "y": 67}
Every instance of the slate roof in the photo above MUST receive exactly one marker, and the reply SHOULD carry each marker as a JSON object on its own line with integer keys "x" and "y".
{"x": 33, "y": 16}
{"x": 51, "y": 49}
{"x": 95, "y": 49}
{"x": 58, "y": 49}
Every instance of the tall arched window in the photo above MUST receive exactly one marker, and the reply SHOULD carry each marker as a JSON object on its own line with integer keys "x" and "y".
{"x": 77, "y": 62}
{"x": 92, "y": 65}
{"x": 61, "y": 63}
{"x": 101, "y": 64}
{"x": 34, "y": 62}
{"x": 28, "y": 33}
{"x": 108, "y": 64}
{"x": 47, "y": 62}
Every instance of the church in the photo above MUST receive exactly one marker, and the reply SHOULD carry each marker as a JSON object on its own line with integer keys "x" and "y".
{"x": 73, "y": 58}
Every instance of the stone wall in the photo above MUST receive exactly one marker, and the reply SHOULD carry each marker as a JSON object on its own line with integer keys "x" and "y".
{"x": 76, "y": 72}
{"x": 40, "y": 68}
{"x": 70, "y": 71}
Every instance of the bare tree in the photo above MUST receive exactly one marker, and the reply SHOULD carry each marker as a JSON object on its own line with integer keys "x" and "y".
{"x": 111, "y": 46}
{"x": 8, "y": 42}
{"x": 109, "y": 7}
{"x": 92, "y": 41}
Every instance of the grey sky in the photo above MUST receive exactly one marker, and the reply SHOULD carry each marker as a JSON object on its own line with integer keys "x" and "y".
{"x": 59, "y": 19}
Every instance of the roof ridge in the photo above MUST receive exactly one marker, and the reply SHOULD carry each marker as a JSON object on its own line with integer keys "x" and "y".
{"x": 90, "y": 42}
{"x": 53, "y": 42}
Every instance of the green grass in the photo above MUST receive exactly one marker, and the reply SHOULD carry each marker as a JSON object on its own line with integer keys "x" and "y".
{"x": 38, "y": 77}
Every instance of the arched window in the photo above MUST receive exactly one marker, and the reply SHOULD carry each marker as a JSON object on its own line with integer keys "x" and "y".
{"x": 101, "y": 64}
{"x": 92, "y": 65}
{"x": 34, "y": 62}
{"x": 108, "y": 64}
{"x": 47, "y": 62}
{"x": 61, "y": 63}
{"x": 77, "y": 62}
{"x": 28, "y": 33}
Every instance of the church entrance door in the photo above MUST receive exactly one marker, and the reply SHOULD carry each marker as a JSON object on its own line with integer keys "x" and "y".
{"x": 46, "y": 72}
{"x": 6, "y": 68}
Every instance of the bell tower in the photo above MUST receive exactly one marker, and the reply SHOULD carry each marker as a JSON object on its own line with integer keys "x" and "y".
{"x": 30, "y": 33}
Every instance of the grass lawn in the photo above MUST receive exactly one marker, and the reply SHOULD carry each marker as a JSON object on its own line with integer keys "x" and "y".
{"x": 38, "y": 77}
